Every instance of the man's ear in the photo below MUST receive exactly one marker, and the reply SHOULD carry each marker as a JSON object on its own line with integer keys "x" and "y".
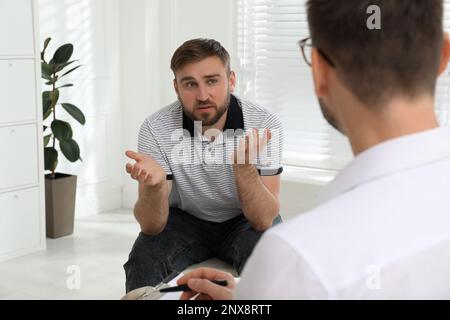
{"x": 175, "y": 85}
{"x": 319, "y": 70}
{"x": 445, "y": 54}
{"x": 232, "y": 81}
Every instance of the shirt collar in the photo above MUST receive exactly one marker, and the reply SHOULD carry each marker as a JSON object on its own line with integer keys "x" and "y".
{"x": 389, "y": 157}
{"x": 235, "y": 118}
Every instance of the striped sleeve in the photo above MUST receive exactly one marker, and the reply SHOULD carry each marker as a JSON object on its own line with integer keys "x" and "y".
{"x": 270, "y": 159}
{"x": 148, "y": 145}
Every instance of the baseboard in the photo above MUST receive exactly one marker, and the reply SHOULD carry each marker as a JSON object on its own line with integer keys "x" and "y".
{"x": 297, "y": 197}
{"x": 23, "y": 252}
{"x": 129, "y": 196}
{"x": 93, "y": 199}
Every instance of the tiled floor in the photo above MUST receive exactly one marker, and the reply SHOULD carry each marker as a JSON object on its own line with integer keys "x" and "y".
{"x": 96, "y": 251}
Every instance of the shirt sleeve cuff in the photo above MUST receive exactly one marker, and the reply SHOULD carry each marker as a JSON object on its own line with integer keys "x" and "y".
{"x": 268, "y": 172}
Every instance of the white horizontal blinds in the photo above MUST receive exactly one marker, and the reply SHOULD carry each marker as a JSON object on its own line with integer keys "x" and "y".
{"x": 443, "y": 87}
{"x": 273, "y": 73}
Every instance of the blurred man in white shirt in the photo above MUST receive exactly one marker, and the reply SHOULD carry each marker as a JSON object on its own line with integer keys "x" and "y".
{"x": 382, "y": 229}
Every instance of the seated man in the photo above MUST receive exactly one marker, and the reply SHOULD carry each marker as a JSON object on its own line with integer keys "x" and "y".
{"x": 199, "y": 195}
{"x": 382, "y": 230}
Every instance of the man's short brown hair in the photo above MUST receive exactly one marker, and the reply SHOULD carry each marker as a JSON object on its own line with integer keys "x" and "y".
{"x": 401, "y": 59}
{"x": 198, "y": 49}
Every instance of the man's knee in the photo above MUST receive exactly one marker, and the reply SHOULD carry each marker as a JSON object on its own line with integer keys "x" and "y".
{"x": 147, "y": 263}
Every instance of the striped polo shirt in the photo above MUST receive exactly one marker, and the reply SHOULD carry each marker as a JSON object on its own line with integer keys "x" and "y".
{"x": 200, "y": 168}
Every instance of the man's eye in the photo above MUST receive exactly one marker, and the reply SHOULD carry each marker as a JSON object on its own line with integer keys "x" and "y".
{"x": 212, "y": 81}
{"x": 190, "y": 84}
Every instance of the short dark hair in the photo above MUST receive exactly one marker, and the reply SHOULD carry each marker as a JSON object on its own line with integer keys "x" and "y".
{"x": 196, "y": 50}
{"x": 402, "y": 58}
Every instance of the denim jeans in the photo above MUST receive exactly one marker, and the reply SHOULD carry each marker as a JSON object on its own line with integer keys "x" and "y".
{"x": 185, "y": 241}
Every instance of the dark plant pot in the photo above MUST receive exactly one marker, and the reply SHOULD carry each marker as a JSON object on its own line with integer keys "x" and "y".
{"x": 60, "y": 196}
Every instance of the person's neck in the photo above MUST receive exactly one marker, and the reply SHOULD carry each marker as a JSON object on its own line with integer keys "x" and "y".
{"x": 399, "y": 118}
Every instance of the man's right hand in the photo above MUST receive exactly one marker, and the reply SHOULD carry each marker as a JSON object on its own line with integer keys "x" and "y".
{"x": 203, "y": 289}
{"x": 146, "y": 170}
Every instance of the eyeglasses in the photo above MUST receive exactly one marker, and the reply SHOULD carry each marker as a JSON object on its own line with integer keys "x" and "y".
{"x": 306, "y": 46}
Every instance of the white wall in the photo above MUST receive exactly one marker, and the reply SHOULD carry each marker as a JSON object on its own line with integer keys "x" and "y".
{"x": 92, "y": 26}
{"x": 140, "y": 73}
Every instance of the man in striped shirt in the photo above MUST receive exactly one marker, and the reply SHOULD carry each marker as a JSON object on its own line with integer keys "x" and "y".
{"x": 208, "y": 168}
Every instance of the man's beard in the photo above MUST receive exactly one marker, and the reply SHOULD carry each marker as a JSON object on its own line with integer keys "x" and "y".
{"x": 206, "y": 119}
{"x": 328, "y": 116}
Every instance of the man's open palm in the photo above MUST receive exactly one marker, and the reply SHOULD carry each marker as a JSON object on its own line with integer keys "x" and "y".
{"x": 146, "y": 170}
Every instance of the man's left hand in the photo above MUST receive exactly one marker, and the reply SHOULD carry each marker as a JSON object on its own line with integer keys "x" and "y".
{"x": 250, "y": 147}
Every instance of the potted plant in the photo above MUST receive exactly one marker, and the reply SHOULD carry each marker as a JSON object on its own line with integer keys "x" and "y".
{"x": 60, "y": 189}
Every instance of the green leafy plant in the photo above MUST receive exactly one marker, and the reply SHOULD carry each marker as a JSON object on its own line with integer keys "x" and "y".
{"x": 53, "y": 71}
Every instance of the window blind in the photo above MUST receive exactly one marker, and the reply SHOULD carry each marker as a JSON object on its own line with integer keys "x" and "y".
{"x": 272, "y": 73}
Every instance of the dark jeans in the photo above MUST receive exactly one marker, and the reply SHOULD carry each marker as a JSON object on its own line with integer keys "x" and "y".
{"x": 185, "y": 241}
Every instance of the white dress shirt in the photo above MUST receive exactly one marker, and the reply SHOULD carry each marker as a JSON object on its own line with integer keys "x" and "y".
{"x": 382, "y": 231}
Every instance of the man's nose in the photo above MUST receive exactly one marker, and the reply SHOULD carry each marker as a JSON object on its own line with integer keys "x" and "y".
{"x": 202, "y": 94}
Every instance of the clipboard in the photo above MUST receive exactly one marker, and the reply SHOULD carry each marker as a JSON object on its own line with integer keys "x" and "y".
{"x": 152, "y": 293}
